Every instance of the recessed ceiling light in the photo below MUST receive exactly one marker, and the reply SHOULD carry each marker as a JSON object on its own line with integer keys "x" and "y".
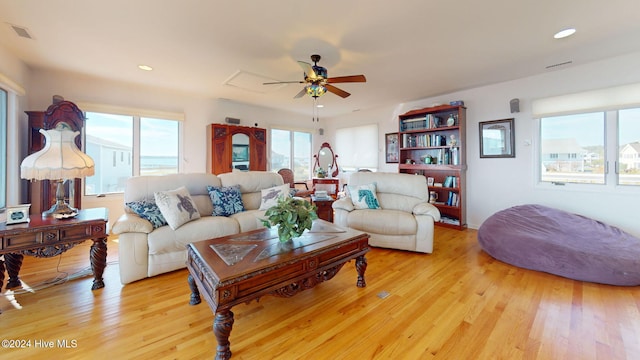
{"x": 564, "y": 33}
{"x": 320, "y": 105}
{"x": 145, "y": 67}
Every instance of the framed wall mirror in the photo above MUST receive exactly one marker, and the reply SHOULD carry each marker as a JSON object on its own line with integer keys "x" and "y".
{"x": 325, "y": 159}
{"x": 497, "y": 139}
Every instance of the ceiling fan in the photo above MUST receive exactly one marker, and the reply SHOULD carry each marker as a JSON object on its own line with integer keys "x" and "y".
{"x": 317, "y": 82}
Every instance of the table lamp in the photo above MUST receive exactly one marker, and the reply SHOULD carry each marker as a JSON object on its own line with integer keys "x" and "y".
{"x": 60, "y": 159}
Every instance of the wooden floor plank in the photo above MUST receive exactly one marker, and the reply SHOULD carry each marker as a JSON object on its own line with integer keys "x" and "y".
{"x": 455, "y": 303}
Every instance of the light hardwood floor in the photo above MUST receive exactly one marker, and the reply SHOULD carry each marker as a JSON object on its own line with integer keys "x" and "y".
{"x": 457, "y": 303}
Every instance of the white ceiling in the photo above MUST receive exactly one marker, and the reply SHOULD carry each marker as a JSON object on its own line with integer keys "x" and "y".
{"x": 408, "y": 49}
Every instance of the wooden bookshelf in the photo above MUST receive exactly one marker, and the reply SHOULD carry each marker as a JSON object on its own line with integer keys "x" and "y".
{"x": 432, "y": 144}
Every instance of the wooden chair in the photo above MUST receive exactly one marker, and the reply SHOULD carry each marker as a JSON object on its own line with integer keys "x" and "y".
{"x": 287, "y": 177}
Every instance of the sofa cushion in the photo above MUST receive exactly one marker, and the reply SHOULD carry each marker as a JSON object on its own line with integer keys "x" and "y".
{"x": 251, "y": 183}
{"x": 363, "y": 196}
{"x": 148, "y": 210}
{"x": 176, "y": 206}
{"x": 385, "y": 222}
{"x": 226, "y": 200}
{"x": 165, "y": 240}
{"x": 270, "y": 196}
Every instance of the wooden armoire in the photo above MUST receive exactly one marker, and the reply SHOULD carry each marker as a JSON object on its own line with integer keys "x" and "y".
{"x": 42, "y": 193}
{"x": 221, "y": 147}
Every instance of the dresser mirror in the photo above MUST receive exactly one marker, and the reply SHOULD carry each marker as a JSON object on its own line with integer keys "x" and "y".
{"x": 326, "y": 160}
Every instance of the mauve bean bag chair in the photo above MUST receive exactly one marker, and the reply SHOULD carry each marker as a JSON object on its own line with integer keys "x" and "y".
{"x": 545, "y": 239}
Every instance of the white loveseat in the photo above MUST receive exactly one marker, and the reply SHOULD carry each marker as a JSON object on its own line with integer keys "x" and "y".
{"x": 144, "y": 251}
{"x": 405, "y": 218}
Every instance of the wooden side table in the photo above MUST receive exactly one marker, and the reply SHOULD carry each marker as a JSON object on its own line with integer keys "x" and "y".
{"x": 325, "y": 211}
{"x": 331, "y": 185}
{"x": 48, "y": 237}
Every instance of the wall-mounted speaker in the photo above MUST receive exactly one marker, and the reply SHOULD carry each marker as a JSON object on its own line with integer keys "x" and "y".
{"x": 321, "y": 131}
{"x": 229, "y": 120}
{"x": 515, "y": 105}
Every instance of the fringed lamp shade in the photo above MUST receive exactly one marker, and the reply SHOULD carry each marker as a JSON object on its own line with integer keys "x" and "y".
{"x": 60, "y": 159}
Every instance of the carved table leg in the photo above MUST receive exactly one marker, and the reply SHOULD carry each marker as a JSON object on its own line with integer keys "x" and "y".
{"x": 361, "y": 267}
{"x": 195, "y": 293}
{"x": 98, "y": 258}
{"x": 222, "y": 326}
{"x": 13, "y": 262}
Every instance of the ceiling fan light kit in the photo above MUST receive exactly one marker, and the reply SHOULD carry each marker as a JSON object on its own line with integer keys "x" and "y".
{"x": 317, "y": 80}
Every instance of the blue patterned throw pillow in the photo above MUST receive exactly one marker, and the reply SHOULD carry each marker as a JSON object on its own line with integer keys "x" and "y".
{"x": 226, "y": 200}
{"x": 148, "y": 210}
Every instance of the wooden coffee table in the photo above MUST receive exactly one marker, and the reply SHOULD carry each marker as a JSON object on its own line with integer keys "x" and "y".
{"x": 240, "y": 268}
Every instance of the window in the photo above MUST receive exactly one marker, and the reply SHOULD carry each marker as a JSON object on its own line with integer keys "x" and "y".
{"x": 158, "y": 146}
{"x": 3, "y": 148}
{"x": 291, "y": 149}
{"x": 562, "y": 138}
{"x": 113, "y": 141}
{"x": 605, "y": 127}
{"x": 357, "y": 147}
{"x": 575, "y": 148}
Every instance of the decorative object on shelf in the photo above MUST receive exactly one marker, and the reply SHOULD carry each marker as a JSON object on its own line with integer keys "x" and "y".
{"x": 451, "y": 121}
{"x": 452, "y": 140}
{"x": 433, "y": 197}
{"x": 497, "y": 139}
{"x": 427, "y": 159}
{"x": 18, "y": 214}
{"x": 391, "y": 148}
{"x": 292, "y": 216}
{"x": 59, "y": 160}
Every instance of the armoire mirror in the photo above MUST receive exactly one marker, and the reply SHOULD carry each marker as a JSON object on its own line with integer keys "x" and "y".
{"x": 325, "y": 159}
{"x": 240, "y": 151}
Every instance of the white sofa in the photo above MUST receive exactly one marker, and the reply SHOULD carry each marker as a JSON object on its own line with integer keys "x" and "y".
{"x": 405, "y": 219}
{"x": 144, "y": 251}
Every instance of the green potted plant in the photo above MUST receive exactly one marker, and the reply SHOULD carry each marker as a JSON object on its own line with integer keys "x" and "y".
{"x": 292, "y": 216}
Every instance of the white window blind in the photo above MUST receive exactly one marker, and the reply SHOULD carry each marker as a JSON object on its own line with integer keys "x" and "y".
{"x": 618, "y": 97}
{"x": 357, "y": 147}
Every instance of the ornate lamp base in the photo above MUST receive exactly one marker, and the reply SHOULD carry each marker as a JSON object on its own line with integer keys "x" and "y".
{"x": 60, "y": 210}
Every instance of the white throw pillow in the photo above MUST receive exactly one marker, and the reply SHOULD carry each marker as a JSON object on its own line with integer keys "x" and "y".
{"x": 177, "y": 206}
{"x": 364, "y": 196}
{"x": 270, "y": 196}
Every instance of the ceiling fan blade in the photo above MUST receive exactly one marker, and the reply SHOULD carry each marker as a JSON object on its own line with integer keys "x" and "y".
{"x": 283, "y": 82}
{"x": 347, "y": 79}
{"x": 308, "y": 69}
{"x": 301, "y": 93}
{"x": 335, "y": 90}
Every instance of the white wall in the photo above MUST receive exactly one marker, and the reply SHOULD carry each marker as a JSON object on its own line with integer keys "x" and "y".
{"x": 496, "y": 184}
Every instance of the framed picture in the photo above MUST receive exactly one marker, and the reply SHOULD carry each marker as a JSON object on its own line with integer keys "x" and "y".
{"x": 497, "y": 139}
{"x": 392, "y": 148}
{"x": 430, "y": 181}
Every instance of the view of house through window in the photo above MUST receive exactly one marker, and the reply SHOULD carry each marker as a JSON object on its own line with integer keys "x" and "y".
{"x": 120, "y": 151}
{"x": 3, "y": 148}
{"x": 572, "y": 148}
{"x": 575, "y": 148}
{"x": 291, "y": 149}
